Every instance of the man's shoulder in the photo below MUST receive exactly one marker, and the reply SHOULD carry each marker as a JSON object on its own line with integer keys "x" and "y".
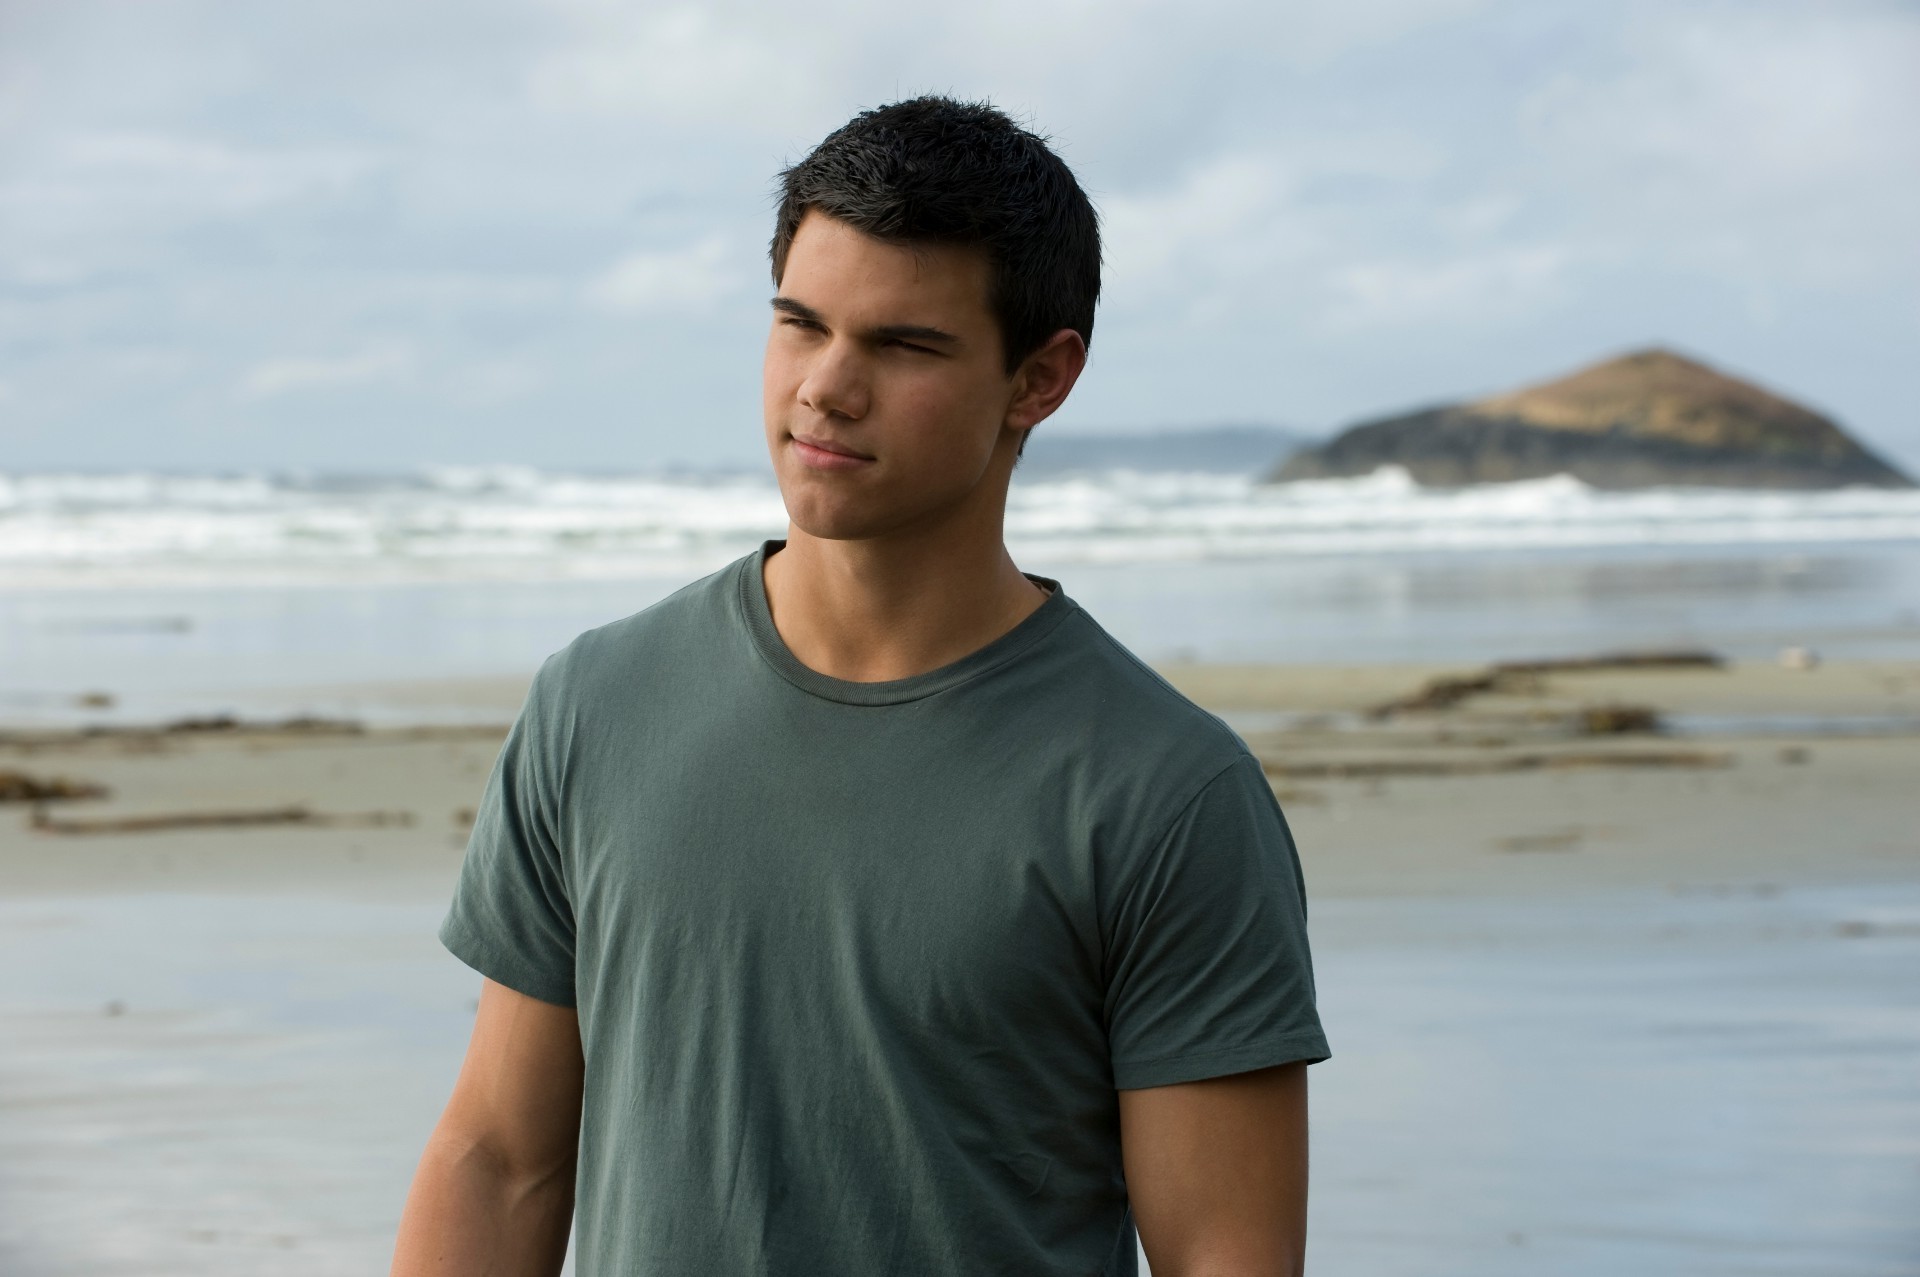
{"x": 1131, "y": 713}
{"x": 689, "y": 620}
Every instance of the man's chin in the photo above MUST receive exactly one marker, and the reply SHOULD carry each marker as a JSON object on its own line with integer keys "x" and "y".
{"x": 822, "y": 506}
{"x": 843, "y": 511}
{"x": 838, "y": 525}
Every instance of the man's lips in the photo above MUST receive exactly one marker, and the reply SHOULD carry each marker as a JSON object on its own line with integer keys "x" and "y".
{"x": 825, "y": 454}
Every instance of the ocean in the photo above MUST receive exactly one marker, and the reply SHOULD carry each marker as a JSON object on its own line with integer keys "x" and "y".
{"x": 177, "y": 593}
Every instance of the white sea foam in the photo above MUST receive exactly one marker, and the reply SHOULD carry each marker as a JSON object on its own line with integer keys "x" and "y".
{"x": 478, "y": 523}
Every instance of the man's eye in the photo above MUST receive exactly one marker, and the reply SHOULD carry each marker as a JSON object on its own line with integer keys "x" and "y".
{"x": 907, "y": 345}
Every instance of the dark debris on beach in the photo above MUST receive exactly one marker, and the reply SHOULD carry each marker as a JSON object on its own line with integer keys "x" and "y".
{"x": 1526, "y": 678}
{"x": 19, "y": 787}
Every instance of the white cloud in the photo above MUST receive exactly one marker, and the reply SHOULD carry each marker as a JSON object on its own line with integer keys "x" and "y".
{"x": 781, "y": 75}
{"x": 1749, "y": 142}
{"x": 140, "y": 174}
{"x": 1505, "y": 283}
{"x": 682, "y": 63}
{"x": 1244, "y": 235}
{"x": 77, "y": 206}
{"x": 1197, "y": 233}
{"x": 696, "y": 277}
{"x": 292, "y": 375}
{"x": 497, "y": 381}
{"x": 1749, "y": 100}
{"x": 218, "y": 174}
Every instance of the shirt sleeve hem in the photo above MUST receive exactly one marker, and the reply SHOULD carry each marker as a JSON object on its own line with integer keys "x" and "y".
{"x": 1133, "y": 1075}
{"x": 502, "y": 967}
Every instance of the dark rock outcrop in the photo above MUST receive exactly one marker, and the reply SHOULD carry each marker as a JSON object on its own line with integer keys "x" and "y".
{"x": 1647, "y": 419}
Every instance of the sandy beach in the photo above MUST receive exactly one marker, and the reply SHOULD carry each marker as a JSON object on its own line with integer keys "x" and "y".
{"x": 1802, "y": 775}
{"x": 1601, "y": 1000}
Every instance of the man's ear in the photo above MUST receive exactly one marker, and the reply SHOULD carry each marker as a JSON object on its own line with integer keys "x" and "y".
{"x": 1044, "y": 379}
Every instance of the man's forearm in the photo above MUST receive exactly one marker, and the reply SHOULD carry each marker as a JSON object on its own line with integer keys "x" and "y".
{"x": 1226, "y": 1266}
{"x": 470, "y": 1213}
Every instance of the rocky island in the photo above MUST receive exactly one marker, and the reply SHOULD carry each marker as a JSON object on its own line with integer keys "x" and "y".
{"x": 1646, "y": 419}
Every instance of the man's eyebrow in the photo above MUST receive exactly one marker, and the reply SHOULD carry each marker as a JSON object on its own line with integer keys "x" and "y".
{"x": 886, "y": 332}
{"x": 911, "y": 332}
{"x": 799, "y": 310}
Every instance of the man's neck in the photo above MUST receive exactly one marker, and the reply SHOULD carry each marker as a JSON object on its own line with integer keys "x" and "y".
{"x": 888, "y": 608}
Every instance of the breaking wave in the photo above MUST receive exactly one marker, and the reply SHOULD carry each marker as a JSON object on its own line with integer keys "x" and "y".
{"x": 481, "y": 523}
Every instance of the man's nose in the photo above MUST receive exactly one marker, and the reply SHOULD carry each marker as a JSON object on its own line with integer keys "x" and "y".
{"x": 836, "y": 383}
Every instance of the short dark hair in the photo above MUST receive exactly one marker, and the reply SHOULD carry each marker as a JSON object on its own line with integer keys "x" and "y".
{"x": 932, "y": 170}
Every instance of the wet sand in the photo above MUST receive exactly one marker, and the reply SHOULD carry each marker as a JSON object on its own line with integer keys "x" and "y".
{"x": 1590, "y": 1016}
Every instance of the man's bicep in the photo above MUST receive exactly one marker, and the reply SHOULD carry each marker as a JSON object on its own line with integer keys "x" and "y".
{"x": 1217, "y": 1172}
{"x": 519, "y": 1092}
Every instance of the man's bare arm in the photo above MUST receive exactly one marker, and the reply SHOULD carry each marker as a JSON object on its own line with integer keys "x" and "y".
{"x": 1217, "y": 1173}
{"x": 494, "y": 1192}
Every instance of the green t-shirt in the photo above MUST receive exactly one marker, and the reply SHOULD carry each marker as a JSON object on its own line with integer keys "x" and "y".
{"x": 860, "y": 966}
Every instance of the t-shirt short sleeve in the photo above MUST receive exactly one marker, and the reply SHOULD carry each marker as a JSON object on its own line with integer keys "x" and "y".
{"x": 1209, "y": 971}
{"x": 511, "y": 918}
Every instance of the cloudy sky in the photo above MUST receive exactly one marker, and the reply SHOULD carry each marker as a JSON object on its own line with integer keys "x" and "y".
{"x": 371, "y": 234}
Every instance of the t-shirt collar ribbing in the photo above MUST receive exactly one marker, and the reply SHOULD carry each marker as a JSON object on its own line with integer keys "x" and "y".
{"x": 758, "y": 615}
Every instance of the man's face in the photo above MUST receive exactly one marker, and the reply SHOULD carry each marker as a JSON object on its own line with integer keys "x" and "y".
{"x": 885, "y": 390}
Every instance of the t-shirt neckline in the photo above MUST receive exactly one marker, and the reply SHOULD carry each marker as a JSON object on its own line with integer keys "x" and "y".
{"x": 773, "y": 649}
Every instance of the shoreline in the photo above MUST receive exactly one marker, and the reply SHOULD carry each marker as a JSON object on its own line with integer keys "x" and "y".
{"x": 1508, "y": 789}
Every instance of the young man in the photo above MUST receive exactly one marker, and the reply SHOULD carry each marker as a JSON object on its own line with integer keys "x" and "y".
{"x": 864, "y": 908}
